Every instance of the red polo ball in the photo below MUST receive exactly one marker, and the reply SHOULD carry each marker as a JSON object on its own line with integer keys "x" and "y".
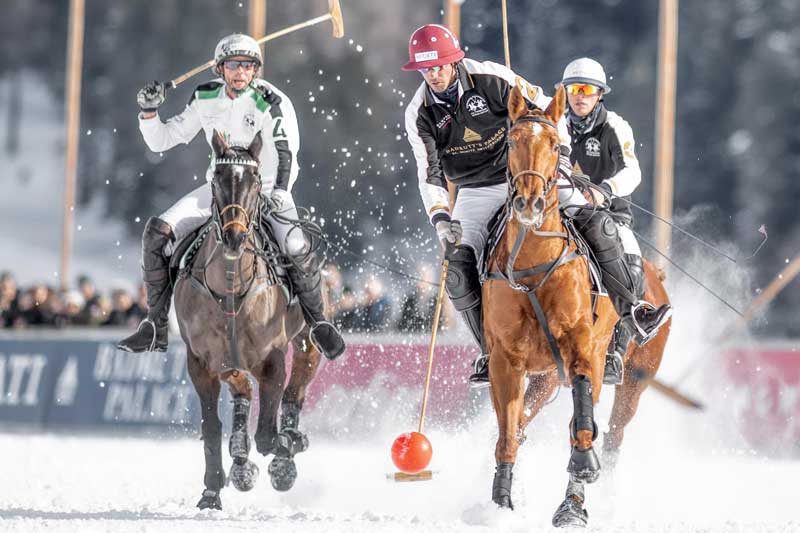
{"x": 411, "y": 452}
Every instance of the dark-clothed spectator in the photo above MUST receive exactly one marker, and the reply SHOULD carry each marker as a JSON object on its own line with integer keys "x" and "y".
{"x": 124, "y": 311}
{"x": 40, "y": 306}
{"x": 419, "y": 305}
{"x": 9, "y": 301}
{"x": 92, "y": 313}
{"x": 376, "y": 308}
{"x": 346, "y": 317}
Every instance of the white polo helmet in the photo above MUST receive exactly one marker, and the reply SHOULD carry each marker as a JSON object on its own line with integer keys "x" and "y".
{"x": 586, "y": 70}
{"x": 237, "y": 44}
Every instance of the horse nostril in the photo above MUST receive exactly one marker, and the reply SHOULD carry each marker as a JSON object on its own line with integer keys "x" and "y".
{"x": 518, "y": 204}
{"x": 538, "y": 205}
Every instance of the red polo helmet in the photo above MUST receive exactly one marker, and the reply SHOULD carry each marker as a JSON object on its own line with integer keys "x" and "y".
{"x": 432, "y": 45}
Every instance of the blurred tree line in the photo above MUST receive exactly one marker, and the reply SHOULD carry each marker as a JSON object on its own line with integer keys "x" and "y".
{"x": 737, "y": 152}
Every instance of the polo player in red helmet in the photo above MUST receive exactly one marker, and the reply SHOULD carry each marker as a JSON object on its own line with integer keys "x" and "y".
{"x": 457, "y": 123}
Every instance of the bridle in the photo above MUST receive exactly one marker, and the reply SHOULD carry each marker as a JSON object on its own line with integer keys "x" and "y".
{"x": 547, "y": 182}
{"x": 217, "y": 214}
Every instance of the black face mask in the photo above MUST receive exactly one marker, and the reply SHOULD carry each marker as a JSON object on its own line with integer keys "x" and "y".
{"x": 581, "y": 125}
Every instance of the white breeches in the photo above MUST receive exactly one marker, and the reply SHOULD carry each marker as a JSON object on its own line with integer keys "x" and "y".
{"x": 191, "y": 212}
{"x": 474, "y": 208}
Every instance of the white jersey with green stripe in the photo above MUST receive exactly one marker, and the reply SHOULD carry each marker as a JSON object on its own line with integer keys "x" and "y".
{"x": 261, "y": 107}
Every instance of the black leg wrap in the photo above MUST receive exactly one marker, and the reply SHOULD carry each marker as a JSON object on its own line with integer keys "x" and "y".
{"x": 290, "y": 415}
{"x": 214, "y": 478}
{"x": 584, "y": 465}
{"x": 501, "y": 486}
{"x": 583, "y": 408}
{"x": 239, "y": 445}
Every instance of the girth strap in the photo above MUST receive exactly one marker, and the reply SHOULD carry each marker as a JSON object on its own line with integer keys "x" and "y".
{"x": 511, "y": 276}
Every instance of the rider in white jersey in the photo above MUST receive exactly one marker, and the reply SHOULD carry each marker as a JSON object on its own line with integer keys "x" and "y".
{"x": 238, "y": 105}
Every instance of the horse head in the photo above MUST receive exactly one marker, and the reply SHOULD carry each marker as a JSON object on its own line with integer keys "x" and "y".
{"x": 236, "y": 189}
{"x": 533, "y": 152}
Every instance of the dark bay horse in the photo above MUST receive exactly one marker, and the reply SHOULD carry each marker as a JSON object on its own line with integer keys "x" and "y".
{"x": 515, "y": 337}
{"x": 236, "y": 321}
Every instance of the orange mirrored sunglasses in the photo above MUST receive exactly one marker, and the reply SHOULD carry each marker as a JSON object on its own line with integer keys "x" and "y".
{"x": 585, "y": 88}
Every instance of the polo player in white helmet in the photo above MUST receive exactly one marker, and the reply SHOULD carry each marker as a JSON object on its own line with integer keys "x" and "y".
{"x": 603, "y": 145}
{"x": 238, "y": 105}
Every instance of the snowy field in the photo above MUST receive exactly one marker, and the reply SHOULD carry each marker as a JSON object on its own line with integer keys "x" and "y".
{"x": 678, "y": 473}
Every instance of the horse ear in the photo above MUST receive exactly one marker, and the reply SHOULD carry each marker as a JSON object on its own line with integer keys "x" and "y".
{"x": 555, "y": 110}
{"x": 218, "y": 143}
{"x": 516, "y": 104}
{"x": 255, "y": 147}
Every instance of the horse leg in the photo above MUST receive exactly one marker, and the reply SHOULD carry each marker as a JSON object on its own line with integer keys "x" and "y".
{"x": 583, "y": 466}
{"x": 540, "y": 387}
{"x": 290, "y": 440}
{"x": 507, "y": 397}
{"x": 271, "y": 376}
{"x": 627, "y": 395}
{"x": 208, "y": 387}
{"x": 305, "y": 362}
{"x": 244, "y": 472}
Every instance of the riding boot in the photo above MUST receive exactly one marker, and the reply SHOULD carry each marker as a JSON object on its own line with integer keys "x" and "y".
{"x": 642, "y": 318}
{"x": 464, "y": 289}
{"x": 151, "y": 335}
{"x": 614, "y": 372}
{"x": 305, "y": 278}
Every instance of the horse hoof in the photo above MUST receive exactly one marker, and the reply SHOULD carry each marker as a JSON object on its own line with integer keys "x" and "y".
{"x": 243, "y": 477}
{"x": 282, "y": 473}
{"x": 210, "y": 500}
{"x": 584, "y": 466}
{"x": 570, "y": 514}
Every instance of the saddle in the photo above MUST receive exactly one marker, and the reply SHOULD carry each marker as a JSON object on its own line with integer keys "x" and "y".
{"x": 497, "y": 225}
{"x": 183, "y": 258}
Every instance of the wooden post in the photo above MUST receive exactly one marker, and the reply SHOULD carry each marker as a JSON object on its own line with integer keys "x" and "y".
{"x": 505, "y": 34}
{"x": 452, "y": 16}
{"x": 257, "y": 20}
{"x": 665, "y": 120}
{"x": 73, "y": 120}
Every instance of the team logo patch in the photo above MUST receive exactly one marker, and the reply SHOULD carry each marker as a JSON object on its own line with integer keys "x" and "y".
{"x": 592, "y": 147}
{"x": 628, "y": 150}
{"x": 476, "y": 105}
{"x": 471, "y": 136}
{"x": 250, "y": 120}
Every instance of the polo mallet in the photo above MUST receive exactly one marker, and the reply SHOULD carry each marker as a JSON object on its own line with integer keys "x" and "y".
{"x": 334, "y": 15}
{"x": 415, "y": 446}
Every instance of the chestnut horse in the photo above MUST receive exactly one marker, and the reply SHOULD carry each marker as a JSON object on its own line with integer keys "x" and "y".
{"x": 560, "y": 288}
{"x": 237, "y": 321}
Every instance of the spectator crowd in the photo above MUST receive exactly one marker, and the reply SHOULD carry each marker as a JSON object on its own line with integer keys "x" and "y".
{"x": 354, "y": 307}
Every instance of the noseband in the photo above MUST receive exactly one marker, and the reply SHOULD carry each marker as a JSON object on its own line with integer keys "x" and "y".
{"x": 247, "y": 225}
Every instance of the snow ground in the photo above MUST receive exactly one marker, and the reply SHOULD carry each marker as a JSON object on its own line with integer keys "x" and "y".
{"x": 678, "y": 473}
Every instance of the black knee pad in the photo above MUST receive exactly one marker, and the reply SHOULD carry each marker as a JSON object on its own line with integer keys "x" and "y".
{"x": 157, "y": 233}
{"x": 462, "y": 283}
{"x": 600, "y": 231}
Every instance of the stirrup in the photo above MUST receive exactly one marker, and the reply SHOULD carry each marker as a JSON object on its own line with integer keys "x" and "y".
{"x": 480, "y": 377}
{"x": 332, "y": 352}
{"x": 642, "y": 336}
{"x": 152, "y": 347}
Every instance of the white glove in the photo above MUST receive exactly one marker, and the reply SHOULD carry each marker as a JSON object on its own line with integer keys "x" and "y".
{"x": 280, "y": 199}
{"x": 151, "y": 96}
{"x": 449, "y": 231}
